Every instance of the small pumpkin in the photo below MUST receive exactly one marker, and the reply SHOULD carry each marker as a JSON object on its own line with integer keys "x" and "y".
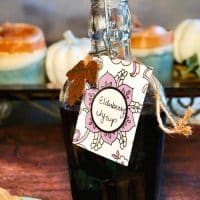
{"x": 63, "y": 55}
{"x": 187, "y": 40}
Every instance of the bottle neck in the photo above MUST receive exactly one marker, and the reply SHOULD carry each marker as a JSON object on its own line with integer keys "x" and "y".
{"x": 110, "y": 28}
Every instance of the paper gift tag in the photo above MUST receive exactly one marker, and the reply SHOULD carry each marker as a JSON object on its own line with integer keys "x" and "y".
{"x": 109, "y": 113}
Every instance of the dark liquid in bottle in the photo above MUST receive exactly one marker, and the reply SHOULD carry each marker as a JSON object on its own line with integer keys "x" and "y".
{"x": 95, "y": 177}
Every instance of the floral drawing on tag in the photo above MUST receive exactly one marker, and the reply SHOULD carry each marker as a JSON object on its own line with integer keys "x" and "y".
{"x": 114, "y": 96}
{"x": 119, "y": 158}
{"x": 136, "y": 69}
{"x": 111, "y": 107}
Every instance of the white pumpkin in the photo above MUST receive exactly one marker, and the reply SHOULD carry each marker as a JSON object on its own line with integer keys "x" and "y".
{"x": 187, "y": 40}
{"x": 63, "y": 55}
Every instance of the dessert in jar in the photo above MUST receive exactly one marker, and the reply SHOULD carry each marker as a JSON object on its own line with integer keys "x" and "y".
{"x": 95, "y": 177}
{"x": 153, "y": 46}
{"x": 22, "y": 54}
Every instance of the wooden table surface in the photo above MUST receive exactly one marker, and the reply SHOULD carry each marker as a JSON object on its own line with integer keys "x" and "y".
{"x": 33, "y": 163}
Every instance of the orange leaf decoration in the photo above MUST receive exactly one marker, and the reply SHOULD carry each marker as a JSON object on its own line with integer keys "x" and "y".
{"x": 91, "y": 74}
{"x": 78, "y": 75}
{"x": 75, "y": 91}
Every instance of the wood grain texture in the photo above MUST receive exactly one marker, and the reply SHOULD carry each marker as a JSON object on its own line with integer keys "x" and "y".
{"x": 33, "y": 163}
{"x": 181, "y": 178}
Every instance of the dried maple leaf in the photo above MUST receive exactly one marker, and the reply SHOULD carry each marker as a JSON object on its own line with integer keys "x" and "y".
{"x": 76, "y": 71}
{"x": 78, "y": 75}
{"x": 75, "y": 91}
{"x": 91, "y": 74}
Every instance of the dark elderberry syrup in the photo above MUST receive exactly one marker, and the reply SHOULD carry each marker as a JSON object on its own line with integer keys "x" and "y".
{"x": 95, "y": 177}
{"x": 92, "y": 176}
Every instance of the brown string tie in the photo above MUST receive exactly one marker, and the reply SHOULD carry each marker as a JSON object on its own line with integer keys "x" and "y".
{"x": 179, "y": 127}
{"x": 86, "y": 71}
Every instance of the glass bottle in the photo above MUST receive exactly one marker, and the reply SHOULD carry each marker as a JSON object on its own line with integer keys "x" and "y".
{"x": 110, "y": 27}
{"x": 95, "y": 177}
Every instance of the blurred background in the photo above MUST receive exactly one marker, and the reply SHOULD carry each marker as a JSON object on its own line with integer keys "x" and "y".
{"x": 56, "y": 16}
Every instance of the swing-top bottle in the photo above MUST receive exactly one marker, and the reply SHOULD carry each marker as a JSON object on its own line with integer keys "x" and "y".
{"x": 95, "y": 177}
